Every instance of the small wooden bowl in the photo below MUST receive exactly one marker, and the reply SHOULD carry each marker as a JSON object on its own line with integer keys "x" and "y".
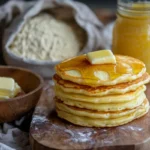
{"x": 31, "y": 84}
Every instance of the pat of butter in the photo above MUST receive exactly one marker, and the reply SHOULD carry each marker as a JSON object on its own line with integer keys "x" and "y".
{"x": 8, "y": 88}
{"x": 101, "y": 57}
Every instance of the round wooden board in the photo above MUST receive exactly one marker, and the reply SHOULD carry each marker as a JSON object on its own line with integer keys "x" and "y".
{"x": 50, "y": 132}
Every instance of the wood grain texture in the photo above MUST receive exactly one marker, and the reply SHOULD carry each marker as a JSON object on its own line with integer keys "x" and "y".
{"x": 30, "y": 83}
{"x": 50, "y": 132}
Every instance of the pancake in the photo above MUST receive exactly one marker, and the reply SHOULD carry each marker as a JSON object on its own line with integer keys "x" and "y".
{"x": 80, "y": 71}
{"x": 121, "y": 88}
{"x": 94, "y": 114}
{"x": 106, "y": 107}
{"x": 97, "y": 122}
{"x": 103, "y": 99}
{"x": 103, "y": 94}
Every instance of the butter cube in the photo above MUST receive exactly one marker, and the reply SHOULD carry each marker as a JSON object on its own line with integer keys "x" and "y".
{"x": 101, "y": 57}
{"x": 7, "y": 86}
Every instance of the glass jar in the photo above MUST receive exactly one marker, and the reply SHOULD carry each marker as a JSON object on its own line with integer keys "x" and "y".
{"x": 131, "y": 33}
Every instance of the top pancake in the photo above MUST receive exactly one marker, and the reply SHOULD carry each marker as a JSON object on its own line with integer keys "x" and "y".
{"x": 79, "y": 70}
{"x": 70, "y": 87}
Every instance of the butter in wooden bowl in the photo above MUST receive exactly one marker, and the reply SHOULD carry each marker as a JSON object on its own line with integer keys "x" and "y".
{"x": 100, "y": 89}
{"x": 9, "y": 88}
{"x": 20, "y": 90}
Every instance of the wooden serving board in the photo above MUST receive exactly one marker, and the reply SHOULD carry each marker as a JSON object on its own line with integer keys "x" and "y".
{"x": 50, "y": 132}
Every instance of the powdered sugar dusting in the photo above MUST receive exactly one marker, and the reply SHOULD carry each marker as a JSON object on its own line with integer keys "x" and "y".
{"x": 80, "y": 136}
{"x": 39, "y": 119}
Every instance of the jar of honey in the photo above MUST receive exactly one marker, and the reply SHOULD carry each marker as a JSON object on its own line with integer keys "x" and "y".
{"x": 131, "y": 33}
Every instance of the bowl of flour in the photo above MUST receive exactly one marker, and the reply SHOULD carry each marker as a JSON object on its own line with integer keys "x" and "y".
{"x": 41, "y": 43}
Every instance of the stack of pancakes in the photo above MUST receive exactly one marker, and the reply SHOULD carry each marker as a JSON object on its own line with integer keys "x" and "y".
{"x": 103, "y": 95}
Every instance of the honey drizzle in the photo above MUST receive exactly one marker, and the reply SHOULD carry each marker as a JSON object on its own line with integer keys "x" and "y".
{"x": 124, "y": 65}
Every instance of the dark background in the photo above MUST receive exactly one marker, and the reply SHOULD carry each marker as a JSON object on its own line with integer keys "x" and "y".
{"x": 91, "y": 3}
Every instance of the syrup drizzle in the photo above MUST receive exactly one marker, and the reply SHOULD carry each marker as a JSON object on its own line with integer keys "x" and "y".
{"x": 125, "y": 65}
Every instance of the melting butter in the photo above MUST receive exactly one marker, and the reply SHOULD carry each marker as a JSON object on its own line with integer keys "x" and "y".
{"x": 101, "y": 57}
{"x": 102, "y": 75}
{"x": 74, "y": 73}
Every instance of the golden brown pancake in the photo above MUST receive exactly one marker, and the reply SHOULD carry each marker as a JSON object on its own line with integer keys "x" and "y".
{"x": 79, "y": 70}
{"x": 97, "y": 122}
{"x": 106, "y": 107}
{"x": 107, "y": 99}
{"x": 94, "y": 114}
{"x": 68, "y": 86}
